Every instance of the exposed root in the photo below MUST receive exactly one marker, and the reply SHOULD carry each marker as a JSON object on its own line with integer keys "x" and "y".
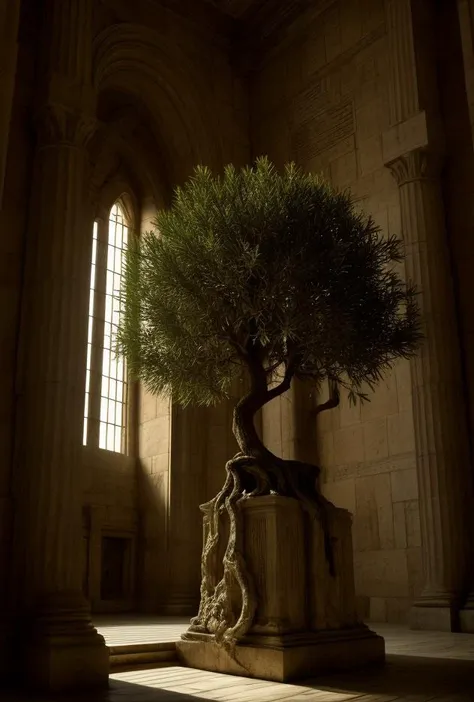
{"x": 217, "y": 613}
{"x": 227, "y": 607}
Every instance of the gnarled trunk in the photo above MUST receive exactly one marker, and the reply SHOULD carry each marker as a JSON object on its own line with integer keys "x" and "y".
{"x": 254, "y": 471}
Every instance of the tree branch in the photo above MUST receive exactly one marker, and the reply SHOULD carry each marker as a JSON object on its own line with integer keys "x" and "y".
{"x": 331, "y": 403}
{"x": 285, "y": 383}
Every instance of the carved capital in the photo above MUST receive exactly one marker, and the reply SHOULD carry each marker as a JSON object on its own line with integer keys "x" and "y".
{"x": 58, "y": 125}
{"x": 419, "y": 164}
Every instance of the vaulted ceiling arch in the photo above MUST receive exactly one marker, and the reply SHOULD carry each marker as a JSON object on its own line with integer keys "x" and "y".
{"x": 136, "y": 61}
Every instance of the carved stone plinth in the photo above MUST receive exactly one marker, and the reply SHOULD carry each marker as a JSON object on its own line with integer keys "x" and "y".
{"x": 306, "y": 620}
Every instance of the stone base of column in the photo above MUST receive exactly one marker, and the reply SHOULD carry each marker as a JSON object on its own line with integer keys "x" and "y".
{"x": 5, "y": 629}
{"x": 285, "y": 658}
{"x": 66, "y": 652}
{"x": 466, "y": 621}
{"x": 466, "y": 616}
{"x": 433, "y": 618}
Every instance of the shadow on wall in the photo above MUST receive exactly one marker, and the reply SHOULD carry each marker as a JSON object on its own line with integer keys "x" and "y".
{"x": 152, "y": 560}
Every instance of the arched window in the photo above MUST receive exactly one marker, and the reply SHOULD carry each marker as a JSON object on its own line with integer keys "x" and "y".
{"x": 107, "y": 398}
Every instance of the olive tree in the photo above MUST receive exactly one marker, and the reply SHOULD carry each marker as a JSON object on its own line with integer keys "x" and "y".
{"x": 261, "y": 277}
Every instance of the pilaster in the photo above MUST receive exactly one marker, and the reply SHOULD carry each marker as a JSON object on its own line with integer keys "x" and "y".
{"x": 414, "y": 152}
{"x": 440, "y": 430}
{"x": 62, "y": 650}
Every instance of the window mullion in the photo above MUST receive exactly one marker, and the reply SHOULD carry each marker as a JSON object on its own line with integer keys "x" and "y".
{"x": 98, "y": 333}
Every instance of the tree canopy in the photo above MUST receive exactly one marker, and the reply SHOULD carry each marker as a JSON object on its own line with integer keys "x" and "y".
{"x": 257, "y": 268}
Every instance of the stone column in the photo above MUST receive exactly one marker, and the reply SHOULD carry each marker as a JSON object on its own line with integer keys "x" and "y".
{"x": 9, "y": 16}
{"x": 413, "y": 150}
{"x": 65, "y": 651}
{"x": 442, "y": 448}
{"x": 403, "y": 77}
{"x": 62, "y": 650}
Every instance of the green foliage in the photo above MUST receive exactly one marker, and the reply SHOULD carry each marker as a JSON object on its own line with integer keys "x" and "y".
{"x": 258, "y": 267}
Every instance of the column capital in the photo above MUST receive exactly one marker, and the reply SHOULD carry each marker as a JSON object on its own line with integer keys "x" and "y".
{"x": 416, "y": 165}
{"x": 58, "y": 125}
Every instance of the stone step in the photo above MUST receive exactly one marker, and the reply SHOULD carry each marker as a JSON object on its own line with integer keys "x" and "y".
{"x": 135, "y": 656}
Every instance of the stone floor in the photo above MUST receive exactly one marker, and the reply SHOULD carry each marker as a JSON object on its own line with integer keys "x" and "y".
{"x": 129, "y": 629}
{"x": 421, "y": 667}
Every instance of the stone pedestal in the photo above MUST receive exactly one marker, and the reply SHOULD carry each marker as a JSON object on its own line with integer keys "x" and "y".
{"x": 306, "y": 621}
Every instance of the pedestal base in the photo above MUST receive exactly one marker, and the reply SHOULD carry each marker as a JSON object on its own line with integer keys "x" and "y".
{"x": 62, "y": 663}
{"x": 434, "y": 618}
{"x": 466, "y": 620}
{"x": 65, "y": 652}
{"x": 285, "y": 658}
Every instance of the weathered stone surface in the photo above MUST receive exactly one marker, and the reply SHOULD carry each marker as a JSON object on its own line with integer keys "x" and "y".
{"x": 306, "y": 619}
{"x": 305, "y": 656}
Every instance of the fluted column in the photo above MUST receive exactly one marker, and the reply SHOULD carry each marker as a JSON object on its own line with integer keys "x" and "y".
{"x": 403, "y": 78}
{"x": 413, "y": 148}
{"x": 9, "y": 16}
{"x": 48, "y": 482}
{"x": 441, "y": 439}
{"x": 62, "y": 650}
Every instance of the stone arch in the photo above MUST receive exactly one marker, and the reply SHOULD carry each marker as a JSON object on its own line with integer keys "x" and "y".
{"x": 120, "y": 189}
{"x": 125, "y": 146}
{"x": 135, "y": 60}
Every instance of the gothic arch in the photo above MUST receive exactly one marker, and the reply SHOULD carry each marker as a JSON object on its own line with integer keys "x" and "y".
{"x": 125, "y": 142}
{"x": 135, "y": 60}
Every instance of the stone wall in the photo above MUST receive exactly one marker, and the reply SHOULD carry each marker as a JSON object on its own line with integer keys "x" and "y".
{"x": 323, "y": 101}
{"x": 181, "y": 454}
{"x": 154, "y": 481}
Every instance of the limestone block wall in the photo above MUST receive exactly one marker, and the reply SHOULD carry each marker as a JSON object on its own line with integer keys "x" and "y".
{"x": 279, "y": 425}
{"x": 322, "y": 100}
{"x": 367, "y": 453}
{"x": 153, "y": 486}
